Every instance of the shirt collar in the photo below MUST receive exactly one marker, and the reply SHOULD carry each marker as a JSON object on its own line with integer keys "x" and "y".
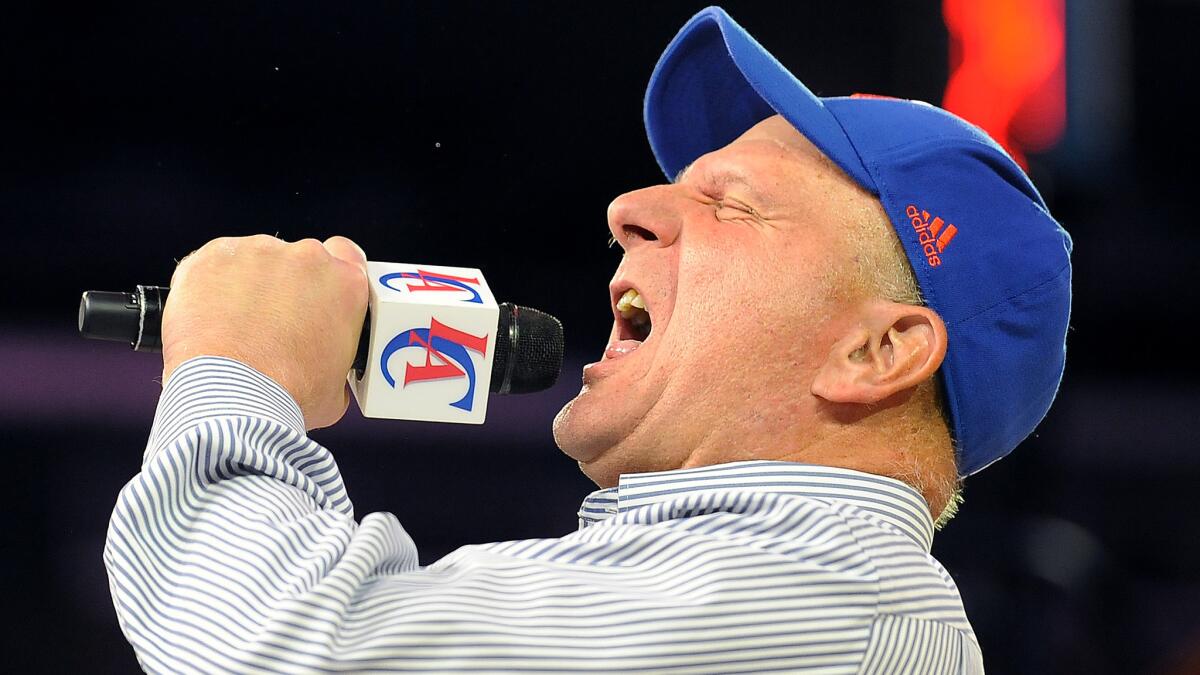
{"x": 892, "y": 501}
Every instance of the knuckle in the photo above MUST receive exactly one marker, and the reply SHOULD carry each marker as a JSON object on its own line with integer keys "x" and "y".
{"x": 349, "y": 270}
{"x": 187, "y": 260}
{"x": 262, "y": 241}
{"x": 352, "y": 278}
{"x": 222, "y": 244}
{"x": 211, "y": 248}
{"x": 203, "y": 258}
{"x": 345, "y": 248}
{"x": 310, "y": 249}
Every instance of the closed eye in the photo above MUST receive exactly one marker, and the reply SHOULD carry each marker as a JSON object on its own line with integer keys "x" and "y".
{"x": 738, "y": 206}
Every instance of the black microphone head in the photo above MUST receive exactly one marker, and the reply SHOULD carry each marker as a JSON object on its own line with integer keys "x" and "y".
{"x": 529, "y": 350}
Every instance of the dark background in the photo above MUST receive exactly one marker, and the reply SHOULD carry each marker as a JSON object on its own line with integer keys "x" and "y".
{"x": 494, "y": 135}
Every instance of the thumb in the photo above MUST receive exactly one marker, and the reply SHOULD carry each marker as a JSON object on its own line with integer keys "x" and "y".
{"x": 345, "y": 249}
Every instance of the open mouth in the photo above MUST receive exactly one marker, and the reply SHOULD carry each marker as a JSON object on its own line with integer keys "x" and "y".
{"x": 633, "y": 318}
{"x": 632, "y": 326}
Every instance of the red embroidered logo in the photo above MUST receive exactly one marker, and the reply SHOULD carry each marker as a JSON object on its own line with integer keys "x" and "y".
{"x": 933, "y": 236}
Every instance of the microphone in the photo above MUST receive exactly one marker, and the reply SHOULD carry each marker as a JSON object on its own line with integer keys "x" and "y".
{"x": 434, "y": 339}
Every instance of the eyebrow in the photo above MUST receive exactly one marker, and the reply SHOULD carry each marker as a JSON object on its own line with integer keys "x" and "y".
{"x": 723, "y": 178}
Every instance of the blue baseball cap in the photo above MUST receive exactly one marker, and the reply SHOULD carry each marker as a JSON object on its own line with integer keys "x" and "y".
{"x": 989, "y": 258}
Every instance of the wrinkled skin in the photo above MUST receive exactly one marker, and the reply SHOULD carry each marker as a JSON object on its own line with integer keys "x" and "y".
{"x": 738, "y": 263}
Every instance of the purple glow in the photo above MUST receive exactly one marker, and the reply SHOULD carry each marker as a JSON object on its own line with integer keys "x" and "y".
{"x": 56, "y": 377}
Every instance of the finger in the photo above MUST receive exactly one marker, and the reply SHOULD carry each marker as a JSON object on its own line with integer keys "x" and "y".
{"x": 345, "y": 249}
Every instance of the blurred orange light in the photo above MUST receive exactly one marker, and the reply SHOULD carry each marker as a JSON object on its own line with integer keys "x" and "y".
{"x": 1008, "y": 71}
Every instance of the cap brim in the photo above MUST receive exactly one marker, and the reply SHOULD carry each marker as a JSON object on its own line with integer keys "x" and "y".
{"x": 714, "y": 81}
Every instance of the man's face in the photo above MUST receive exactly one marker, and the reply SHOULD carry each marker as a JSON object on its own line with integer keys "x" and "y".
{"x": 737, "y": 265}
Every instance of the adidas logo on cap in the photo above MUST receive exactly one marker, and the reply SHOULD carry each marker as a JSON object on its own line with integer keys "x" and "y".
{"x": 933, "y": 236}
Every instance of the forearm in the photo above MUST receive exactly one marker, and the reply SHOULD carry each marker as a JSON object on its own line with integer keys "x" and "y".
{"x": 235, "y": 548}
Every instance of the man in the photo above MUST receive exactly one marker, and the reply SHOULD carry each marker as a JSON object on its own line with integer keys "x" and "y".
{"x": 767, "y": 505}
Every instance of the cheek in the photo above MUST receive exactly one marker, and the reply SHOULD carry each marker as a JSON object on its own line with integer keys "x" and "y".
{"x": 747, "y": 308}
{"x": 706, "y": 292}
{"x": 733, "y": 281}
{"x": 716, "y": 319}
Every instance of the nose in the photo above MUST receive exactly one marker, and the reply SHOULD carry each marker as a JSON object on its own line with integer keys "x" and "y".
{"x": 646, "y": 217}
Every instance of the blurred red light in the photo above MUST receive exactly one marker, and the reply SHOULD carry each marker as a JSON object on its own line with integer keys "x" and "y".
{"x": 1008, "y": 70}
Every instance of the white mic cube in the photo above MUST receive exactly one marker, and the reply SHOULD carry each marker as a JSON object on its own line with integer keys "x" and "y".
{"x": 432, "y": 340}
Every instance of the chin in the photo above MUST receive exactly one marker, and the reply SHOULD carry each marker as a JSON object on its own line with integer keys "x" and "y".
{"x": 603, "y": 476}
{"x": 571, "y": 433}
{"x": 586, "y": 433}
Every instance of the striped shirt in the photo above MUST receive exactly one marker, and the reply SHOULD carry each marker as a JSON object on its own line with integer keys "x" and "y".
{"x": 236, "y": 550}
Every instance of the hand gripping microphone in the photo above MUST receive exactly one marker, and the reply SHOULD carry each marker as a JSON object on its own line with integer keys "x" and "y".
{"x": 433, "y": 343}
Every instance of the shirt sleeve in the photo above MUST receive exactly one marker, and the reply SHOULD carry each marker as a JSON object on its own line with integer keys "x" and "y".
{"x": 905, "y": 644}
{"x": 235, "y": 550}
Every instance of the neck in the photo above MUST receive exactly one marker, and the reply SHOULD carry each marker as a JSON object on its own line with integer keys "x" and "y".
{"x": 900, "y": 441}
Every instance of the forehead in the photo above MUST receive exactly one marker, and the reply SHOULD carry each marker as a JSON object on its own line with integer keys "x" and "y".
{"x": 777, "y": 132}
{"x": 775, "y": 158}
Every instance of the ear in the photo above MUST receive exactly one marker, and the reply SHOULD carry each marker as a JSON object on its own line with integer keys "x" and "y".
{"x": 893, "y": 348}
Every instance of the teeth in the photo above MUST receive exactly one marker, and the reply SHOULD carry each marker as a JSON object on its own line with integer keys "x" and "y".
{"x": 633, "y": 309}
{"x": 630, "y": 303}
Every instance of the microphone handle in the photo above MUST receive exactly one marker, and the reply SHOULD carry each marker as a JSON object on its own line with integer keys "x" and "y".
{"x": 136, "y": 318}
